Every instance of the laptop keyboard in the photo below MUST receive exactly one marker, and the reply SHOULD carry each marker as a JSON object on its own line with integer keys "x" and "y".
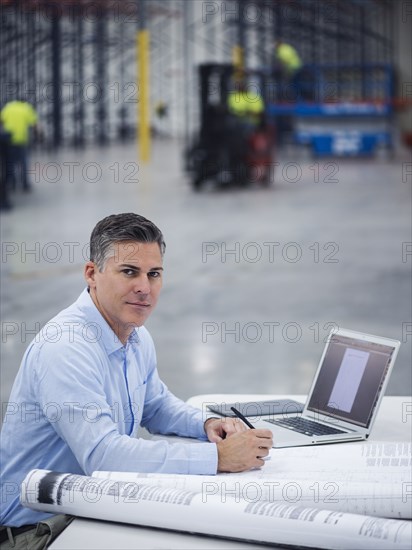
{"x": 304, "y": 426}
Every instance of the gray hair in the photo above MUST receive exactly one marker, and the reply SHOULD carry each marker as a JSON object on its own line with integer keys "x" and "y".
{"x": 122, "y": 227}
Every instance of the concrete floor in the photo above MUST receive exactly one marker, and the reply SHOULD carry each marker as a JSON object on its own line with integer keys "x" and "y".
{"x": 254, "y": 279}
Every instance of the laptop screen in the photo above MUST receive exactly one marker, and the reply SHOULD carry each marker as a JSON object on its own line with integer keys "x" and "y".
{"x": 350, "y": 379}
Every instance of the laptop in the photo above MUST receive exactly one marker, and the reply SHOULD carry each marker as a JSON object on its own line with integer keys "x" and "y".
{"x": 345, "y": 395}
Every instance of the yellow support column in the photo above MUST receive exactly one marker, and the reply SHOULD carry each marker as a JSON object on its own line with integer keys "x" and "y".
{"x": 238, "y": 61}
{"x": 143, "y": 105}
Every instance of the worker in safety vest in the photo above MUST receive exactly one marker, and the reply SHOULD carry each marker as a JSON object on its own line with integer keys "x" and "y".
{"x": 288, "y": 57}
{"x": 246, "y": 104}
{"x": 17, "y": 118}
{"x": 5, "y": 203}
{"x": 289, "y": 70}
{"x": 246, "y": 107}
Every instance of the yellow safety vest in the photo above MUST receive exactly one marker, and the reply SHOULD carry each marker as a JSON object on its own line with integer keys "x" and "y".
{"x": 17, "y": 117}
{"x": 288, "y": 57}
{"x": 247, "y": 104}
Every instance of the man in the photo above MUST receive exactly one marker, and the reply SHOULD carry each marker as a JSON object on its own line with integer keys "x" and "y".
{"x": 246, "y": 109}
{"x": 290, "y": 67}
{"x": 288, "y": 57}
{"x": 5, "y": 203}
{"x": 89, "y": 379}
{"x": 17, "y": 118}
{"x": 246, "y": 105}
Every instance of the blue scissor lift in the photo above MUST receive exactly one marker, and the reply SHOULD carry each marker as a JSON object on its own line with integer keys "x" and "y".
{"x": 339, "y": 110}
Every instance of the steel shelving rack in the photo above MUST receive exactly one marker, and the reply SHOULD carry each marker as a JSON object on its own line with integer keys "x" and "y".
{"x": 76, "y": 60}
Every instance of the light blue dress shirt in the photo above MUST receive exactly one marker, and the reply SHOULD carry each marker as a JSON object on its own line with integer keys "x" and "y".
{"x": 77, "y": 402}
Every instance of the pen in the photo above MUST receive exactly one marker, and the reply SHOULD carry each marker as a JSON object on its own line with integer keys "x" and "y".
{"x": 240, "y": 415}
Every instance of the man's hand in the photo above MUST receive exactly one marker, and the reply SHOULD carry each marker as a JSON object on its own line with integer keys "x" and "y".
{"x": 243, "y": 451}
{"x": 218, "y": 429}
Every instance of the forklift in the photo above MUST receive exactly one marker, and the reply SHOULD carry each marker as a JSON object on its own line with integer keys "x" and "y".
{"x": 226, "y": 150}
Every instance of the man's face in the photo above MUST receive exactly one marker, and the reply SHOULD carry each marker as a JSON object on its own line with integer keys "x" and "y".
{"x": 127, "y": 289}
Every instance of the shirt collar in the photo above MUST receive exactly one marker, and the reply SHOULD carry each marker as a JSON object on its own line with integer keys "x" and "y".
{"x": 102, "y": 328}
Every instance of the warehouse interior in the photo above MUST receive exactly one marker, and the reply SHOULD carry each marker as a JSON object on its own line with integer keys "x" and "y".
{"x": 257, "y": 274}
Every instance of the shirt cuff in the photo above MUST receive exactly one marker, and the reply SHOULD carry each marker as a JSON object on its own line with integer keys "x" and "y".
{"x": 203, "y": 459}
{"x": 198, "y": 427}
